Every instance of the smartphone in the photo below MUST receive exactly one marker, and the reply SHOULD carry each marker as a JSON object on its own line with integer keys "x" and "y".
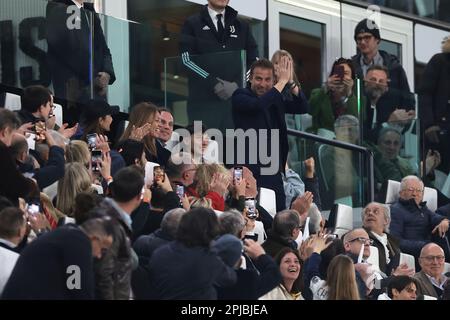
{"x": 91, "y": 141}
{"x": 180, "y": 191}
{"x": 158, "y": 174}
{"x": 339, "y": 71}
{"x": 34, "y": 207}
{"x": 96, "y": 159}
{"x": 250, "y": 205}
{"x": 39, "y": 129}
{"x": 237, "y": 174}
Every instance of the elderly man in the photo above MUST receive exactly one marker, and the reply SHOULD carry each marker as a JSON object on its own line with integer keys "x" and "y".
{"x": 412, "y": 222}
{"x": 431, "y": 278}
{"x": 376, "y": 218}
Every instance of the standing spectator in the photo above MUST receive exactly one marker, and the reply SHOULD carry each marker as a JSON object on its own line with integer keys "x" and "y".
{"x": 78, "y": 67}
{"x": 263, "y": 107}
{"x": 412, "y": 222}
{"x": 434, "y": 103}
{"x": 367, "y": 38}
{"x": 59, "y": 264}
{"x": 431, "y": 279}
{"x": 216, "y": 29}
{"x": 12, "y": 183}
{"x": 336, "y": 98}
{"x": 187, "y": 268}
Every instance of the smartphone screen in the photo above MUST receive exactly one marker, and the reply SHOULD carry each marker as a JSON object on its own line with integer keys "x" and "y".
{"x": 158, "y": 174}
{"x": 96, "y": 159}
{"x": 237, "y": 174}
{"x": 180, "y": 191}
{"x": 91, "y": 141}
{"x": 250, "y": 205}
{"x": 33, "y": 208}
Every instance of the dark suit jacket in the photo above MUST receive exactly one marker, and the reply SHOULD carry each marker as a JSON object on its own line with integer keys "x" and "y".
{"x": 394, "y": 252}
{"x": 69, "y": 51}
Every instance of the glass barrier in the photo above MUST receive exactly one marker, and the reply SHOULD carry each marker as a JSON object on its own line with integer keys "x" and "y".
{"x": 342, "y": 173}
{"x": 199, "y": 87}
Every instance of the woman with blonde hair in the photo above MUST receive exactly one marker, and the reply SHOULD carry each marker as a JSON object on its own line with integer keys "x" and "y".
{"x": 341, "y": 279}
{"x": 78, "y": 151}
{"x": 211, "y": 182}
{"x": 75, "y": 180}
{"x": 144, "y": 126}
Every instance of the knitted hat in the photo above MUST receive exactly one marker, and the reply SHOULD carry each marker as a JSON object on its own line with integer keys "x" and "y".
{"x": 367, "y": 26}
{"x": 229, "y": 248}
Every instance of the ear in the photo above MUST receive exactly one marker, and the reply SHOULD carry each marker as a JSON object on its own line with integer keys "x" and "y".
{"x": 395, "y": 292}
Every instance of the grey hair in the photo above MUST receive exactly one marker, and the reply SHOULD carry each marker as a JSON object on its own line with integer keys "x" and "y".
{"x": 171, "y": 220}
{"x": 346, "y": 119}
{"x": 284, "y": 223}
{"x": 406, "y": 179}
{"x": 315, "y": 217}
{"x": 232, "y": 222}
{"x": 386, "y": 211}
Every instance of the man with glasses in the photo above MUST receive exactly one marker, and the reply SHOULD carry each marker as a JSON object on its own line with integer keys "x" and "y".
{"x": 431, "y": 278}
{"x": 367, "y": 37}
{"x": 412, "y": 222}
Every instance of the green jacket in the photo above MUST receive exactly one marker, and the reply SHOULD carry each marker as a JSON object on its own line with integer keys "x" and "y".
{"x": 322, "y": 112}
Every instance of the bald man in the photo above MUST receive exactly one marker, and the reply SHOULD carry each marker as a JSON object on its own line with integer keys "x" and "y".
{"x": 431, "y": 278}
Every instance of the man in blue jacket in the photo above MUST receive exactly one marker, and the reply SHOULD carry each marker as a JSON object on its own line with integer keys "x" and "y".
{"x": 412, "y": 222}
{"x": 263, "y": 106}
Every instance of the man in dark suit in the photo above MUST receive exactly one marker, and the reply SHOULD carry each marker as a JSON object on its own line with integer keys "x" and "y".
{"x": 263, "y": 106}
{"x": 217, "y": 35}
{"x": 80, "y": 69}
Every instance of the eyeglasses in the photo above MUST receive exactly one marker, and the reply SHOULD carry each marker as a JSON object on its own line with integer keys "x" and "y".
{"x": 380, "y": 82}
{"x": 365, "y": 38}
{"x": 432, "y": 258}
{"x": 374, "y": 211}
{"x": 414, "y": 189}
{"x": 362, "y": 240}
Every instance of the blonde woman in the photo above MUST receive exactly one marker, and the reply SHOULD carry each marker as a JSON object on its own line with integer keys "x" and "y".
{"x": 293, "y": 83}
{"x": 78, "y": 151}
{"x": 75, "y": 180}
{"x": 144, "y": 126}
{"x": 211, "y": 182}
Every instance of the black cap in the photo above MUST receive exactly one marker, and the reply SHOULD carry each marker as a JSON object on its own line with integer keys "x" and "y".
{"x": 368, "y": 26}
{"x": 95, "y": 109}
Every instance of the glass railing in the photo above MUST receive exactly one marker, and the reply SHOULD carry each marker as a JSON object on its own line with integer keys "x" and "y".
{"x": 200, "y": 87}
{"x": 343, "y": 169}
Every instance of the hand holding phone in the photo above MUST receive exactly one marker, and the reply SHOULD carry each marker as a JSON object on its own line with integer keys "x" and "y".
{"x": 339, "y": 71}
{"x": 250, "y": 205}
{"x": 158, "y": 175}
{"x": 91, "y": 141}
{"x": 96, "y": 160}
{"x": 237, "y": 174}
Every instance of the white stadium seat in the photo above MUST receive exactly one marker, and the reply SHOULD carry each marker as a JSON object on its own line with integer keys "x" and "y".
{"x": 267, "y": 200}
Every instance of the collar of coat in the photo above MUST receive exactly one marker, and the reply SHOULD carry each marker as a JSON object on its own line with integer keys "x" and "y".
{"x": 230, "y": 14}
{"x": 411, "y": 203}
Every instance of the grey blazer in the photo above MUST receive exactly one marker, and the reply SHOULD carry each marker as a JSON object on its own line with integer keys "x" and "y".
{"x": 425, "y": 287}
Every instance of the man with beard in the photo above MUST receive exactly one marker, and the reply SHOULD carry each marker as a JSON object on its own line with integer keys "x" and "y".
{"x": 383, "y": 104}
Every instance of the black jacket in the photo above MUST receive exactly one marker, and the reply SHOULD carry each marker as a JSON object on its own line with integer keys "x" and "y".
{"x": 12, "y": 183}
{"x": 275, "y": 244}
{"x": 434, "y": 92}
{"x": 397, "y": 75}
{"x": 43, "y": 268}
{"x": 394, "y": 252}
{"x": 69, "y": 50}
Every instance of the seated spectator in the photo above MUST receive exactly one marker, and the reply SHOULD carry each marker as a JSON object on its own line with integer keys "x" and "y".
{"x": 187, "y": 268}
{"x": 257, "y": 273}
{"x": 401, "y": 288}
{"x": 96, "y": 118}
{"x": 376, "y": 218}
{"x": 336, "y": 98}
{"x": 285, "y": 229}
{"x": 431, "y": 279}
{"x": 46, "y": 175}
{"x": 166, "y": 128}
{"x": 78, "y": 151}
{"x": 181, "y": 169}
{"x": 76, "y": 179}
{"x": 339, "y": 166}
{"x": 412, "y": 222}
{"x": 43, "y": 269}
{"x": 144, "y": 126}
{"x": 12, "y": 231}
{"x": 288, "y": 261}
{"x": 211, "y": 184}
{"x": 37, "y": 105}
{"x": 12, "y": 184}
{"x": 387, "y": 105}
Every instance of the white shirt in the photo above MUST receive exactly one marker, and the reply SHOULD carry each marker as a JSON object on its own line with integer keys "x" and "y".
{"x": 8, "y": 260}
{"x": 79, "y": 6}
{"x": 435, "y": 283}
{"x": 384, "y": 241}
{"x": 213, "y": 14}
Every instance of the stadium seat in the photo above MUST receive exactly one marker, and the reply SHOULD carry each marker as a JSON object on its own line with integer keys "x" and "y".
{"x": 12, "y": 101}
{"x": 374, "y": 258}
{"x": 447, "y": 267}
{"x": 58, "y": 112}
{"x": 267, "y": 200}
{"x": 393, "y": 189}
{"x": 429, "y": 195}
{"x": 341, "y": 219}
{"x": 408, "y": 259}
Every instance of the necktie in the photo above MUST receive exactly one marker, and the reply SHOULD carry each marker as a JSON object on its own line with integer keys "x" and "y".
{"x": 220, "y": 29}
